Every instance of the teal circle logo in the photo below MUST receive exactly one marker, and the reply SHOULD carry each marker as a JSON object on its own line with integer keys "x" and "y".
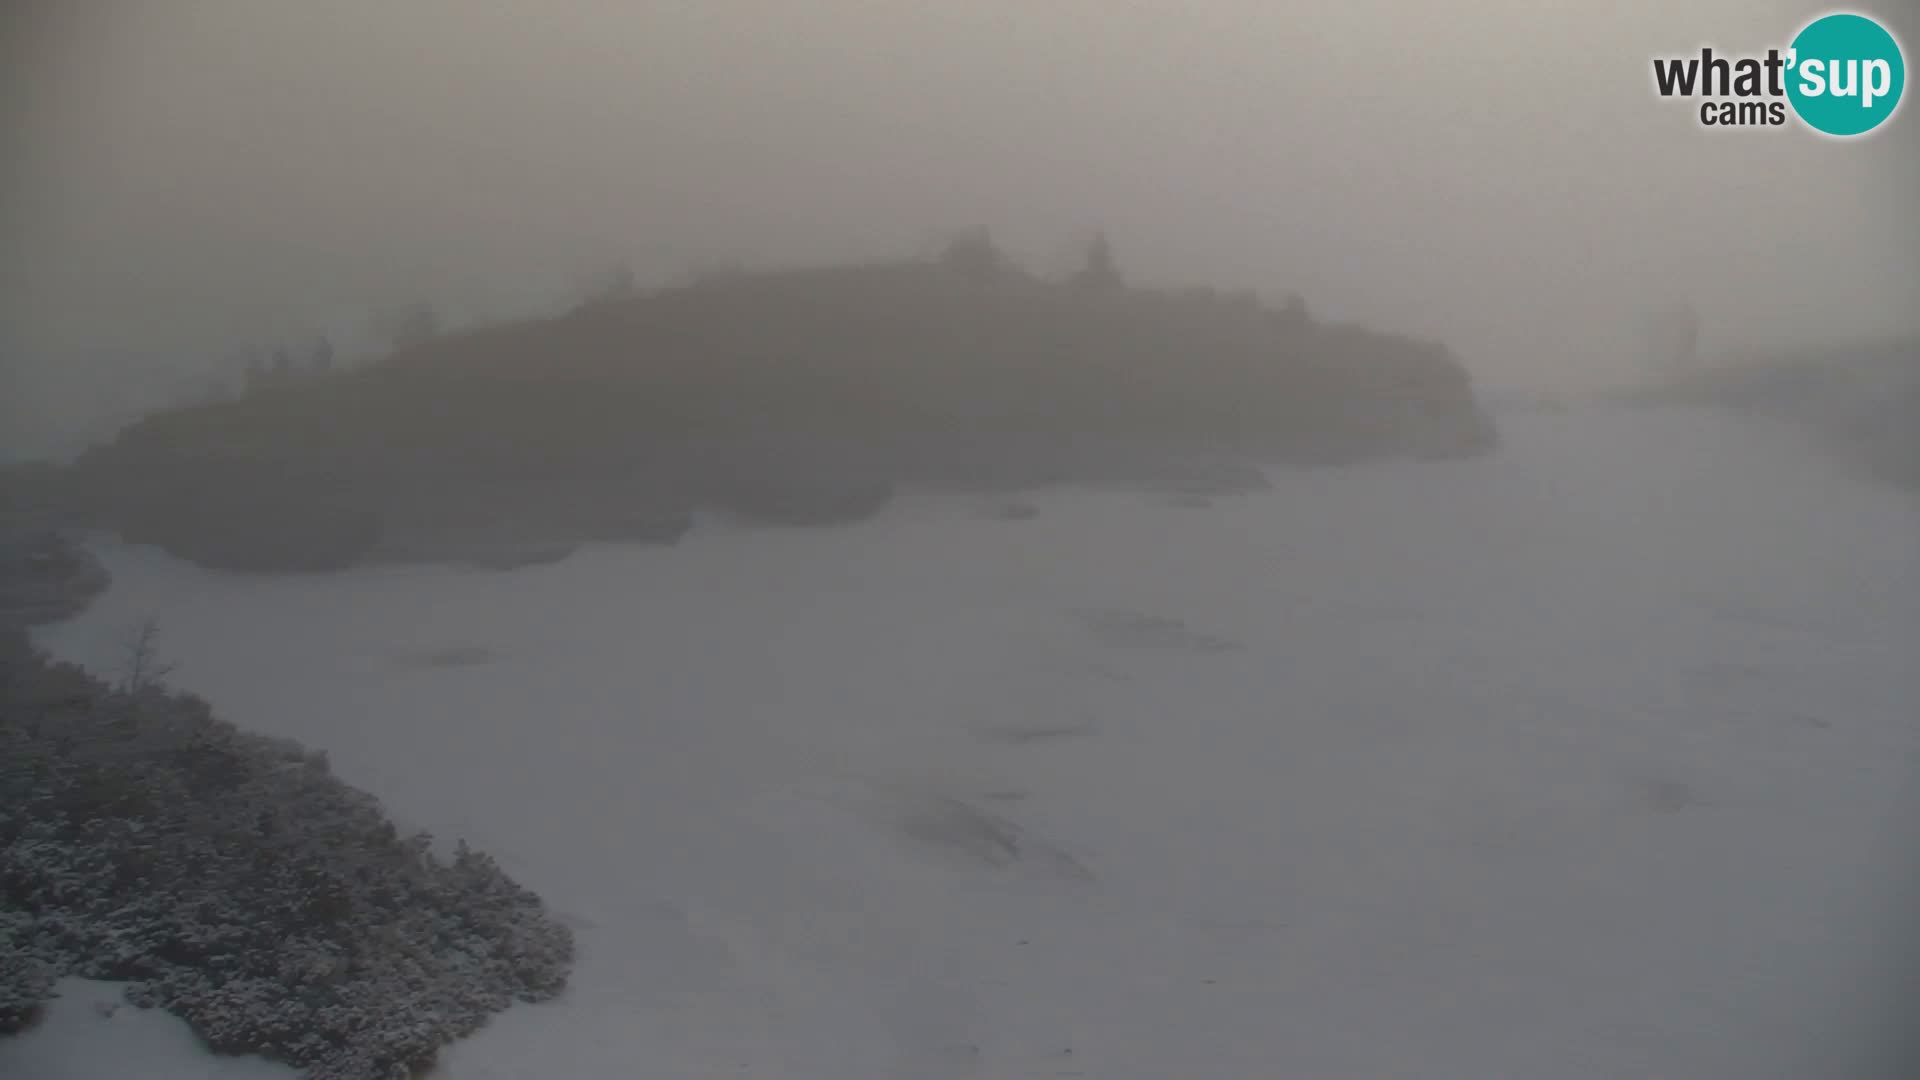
{"x": 1846, "y": 74}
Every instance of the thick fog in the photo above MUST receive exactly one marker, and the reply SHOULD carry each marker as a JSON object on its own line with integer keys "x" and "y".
{"x": 1348, "y": 539}
{"x": 187, "y": 177}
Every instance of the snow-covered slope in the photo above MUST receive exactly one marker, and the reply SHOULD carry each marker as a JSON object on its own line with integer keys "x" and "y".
{"x": 1592, "y": 759}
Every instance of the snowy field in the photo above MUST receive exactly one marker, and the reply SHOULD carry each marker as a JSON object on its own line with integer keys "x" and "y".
{"x": 1594, "y": 759}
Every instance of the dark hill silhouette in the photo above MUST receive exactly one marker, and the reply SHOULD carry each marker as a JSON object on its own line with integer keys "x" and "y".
{"x": 796, "y": 395}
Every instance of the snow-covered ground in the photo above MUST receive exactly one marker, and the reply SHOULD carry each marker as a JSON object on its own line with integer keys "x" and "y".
{"x": 1594, "y": 759}
{"x": 90, "y": 1033}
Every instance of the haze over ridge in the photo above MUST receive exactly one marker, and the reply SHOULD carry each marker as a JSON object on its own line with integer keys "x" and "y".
{"x": 1502, "y": 178}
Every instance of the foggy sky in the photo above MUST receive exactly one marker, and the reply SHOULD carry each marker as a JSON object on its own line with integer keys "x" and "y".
{"x": 181, "y": 176}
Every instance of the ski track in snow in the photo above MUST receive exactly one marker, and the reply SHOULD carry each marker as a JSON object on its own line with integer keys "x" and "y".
{"x": 1592, "y": 759}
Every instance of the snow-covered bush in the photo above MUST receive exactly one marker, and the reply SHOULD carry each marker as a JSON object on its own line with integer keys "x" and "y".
{"x": 238, "y": 884}
{"x": 26, "y": 979}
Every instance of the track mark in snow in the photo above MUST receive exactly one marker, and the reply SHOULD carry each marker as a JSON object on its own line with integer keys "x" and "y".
{"x": 960, "y": 832}
{"x": 958, "y": 828}
{"x": 1123, "y": 628}
{"x": 575, "y": 922}
{"x": 1021, "y": 734}
{"x": 459, "y": 656}
{"x": 1668, "y": 796}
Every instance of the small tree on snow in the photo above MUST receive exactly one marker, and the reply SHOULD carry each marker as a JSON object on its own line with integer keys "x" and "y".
{"x": 141, "y": 667}
{"x": 1100, "y": 272}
